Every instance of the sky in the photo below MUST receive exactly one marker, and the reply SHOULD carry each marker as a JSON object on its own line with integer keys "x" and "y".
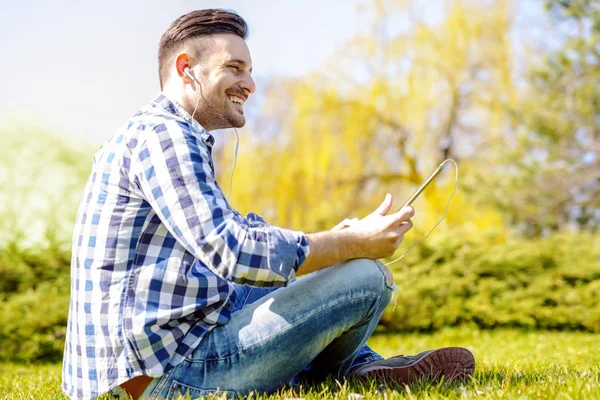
{"x": 80, "y": 69}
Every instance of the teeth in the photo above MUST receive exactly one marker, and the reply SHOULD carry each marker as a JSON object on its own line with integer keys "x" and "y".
{"x": 236, "y": 99}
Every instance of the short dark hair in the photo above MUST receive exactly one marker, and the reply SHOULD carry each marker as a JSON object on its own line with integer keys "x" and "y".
{"x": 193, "y": 25}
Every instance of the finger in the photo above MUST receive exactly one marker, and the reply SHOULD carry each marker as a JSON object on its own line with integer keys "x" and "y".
{"x": 405, "y": 227}
{"x": 385, "y": 206}
{"x": 404, "y": 214}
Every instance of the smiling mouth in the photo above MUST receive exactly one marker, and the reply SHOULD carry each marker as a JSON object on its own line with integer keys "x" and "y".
{"x": 236, "y": 100}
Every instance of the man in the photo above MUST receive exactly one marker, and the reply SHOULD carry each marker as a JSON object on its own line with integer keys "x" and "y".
{"x": 174, "y": 292}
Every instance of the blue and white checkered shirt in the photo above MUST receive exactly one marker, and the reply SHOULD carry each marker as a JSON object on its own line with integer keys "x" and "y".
{"x": 155, "y": 248}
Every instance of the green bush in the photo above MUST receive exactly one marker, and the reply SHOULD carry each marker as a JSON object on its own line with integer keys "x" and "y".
{"x": 34, "y": 303}
{"x": 33, "y": 324}
{"x": 24, "y": 269}
{"x": 550, "y": 283}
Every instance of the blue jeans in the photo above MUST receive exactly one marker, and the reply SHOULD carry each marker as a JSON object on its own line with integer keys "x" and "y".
{"x": 315, "y": 327}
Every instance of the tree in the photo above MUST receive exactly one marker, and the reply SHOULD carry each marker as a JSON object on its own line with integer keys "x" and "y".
{"x": 389, "y": 108}
{"x": 553, "y": 178}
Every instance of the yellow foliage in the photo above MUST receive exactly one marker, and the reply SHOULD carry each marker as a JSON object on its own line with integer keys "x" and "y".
{"x": 346, "y": 137}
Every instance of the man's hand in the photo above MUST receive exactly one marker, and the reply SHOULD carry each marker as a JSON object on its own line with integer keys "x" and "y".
{"x": 380, "y": 233}
{"x": 376, "y": 236}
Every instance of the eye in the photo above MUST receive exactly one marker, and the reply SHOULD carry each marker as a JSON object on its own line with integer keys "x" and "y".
{"x": 234, "y": 67}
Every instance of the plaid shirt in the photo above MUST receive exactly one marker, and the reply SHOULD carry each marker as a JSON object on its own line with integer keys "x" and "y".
{"x": 156, "y": 248}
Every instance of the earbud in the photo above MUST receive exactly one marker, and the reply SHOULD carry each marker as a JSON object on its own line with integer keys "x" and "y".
{"x": 192, "y": 77}
{"x": 189, "y": 73}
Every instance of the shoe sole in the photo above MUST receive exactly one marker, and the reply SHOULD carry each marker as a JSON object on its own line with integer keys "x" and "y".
{"x": 453, "y": 364}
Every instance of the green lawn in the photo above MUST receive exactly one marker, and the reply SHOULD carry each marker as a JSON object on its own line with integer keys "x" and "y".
{"x": 510, "y": 364}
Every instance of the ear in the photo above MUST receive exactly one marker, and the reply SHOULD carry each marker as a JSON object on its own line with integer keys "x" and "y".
{"x": 181, "y": 63}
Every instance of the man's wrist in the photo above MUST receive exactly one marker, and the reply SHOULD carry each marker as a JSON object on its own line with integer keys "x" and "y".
{"x": 349, "y": 244}
{"x": 329, "y": 248}
{"x": 342, "y": 245}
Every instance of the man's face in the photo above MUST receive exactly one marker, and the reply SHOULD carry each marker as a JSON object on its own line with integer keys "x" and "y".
{"x": 224, "y": 70}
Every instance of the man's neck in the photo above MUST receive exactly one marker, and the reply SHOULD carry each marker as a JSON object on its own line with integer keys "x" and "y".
{"x": 184, "y": 102}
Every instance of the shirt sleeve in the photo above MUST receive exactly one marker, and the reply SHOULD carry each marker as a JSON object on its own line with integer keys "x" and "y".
{"x": 176, "y": 176}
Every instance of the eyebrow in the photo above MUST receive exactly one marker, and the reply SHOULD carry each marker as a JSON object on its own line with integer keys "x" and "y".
{"x": 237, "y": 61}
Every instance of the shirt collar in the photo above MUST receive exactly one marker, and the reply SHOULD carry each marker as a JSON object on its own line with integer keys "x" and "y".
{"x": 177, "y": 109}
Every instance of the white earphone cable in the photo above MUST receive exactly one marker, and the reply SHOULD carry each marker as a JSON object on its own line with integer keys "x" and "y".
{"x": 441, "y": 219}
{"x": 234, "y": 163}
{"x": 197, "y": 102}
{"x": 236, "y": 134}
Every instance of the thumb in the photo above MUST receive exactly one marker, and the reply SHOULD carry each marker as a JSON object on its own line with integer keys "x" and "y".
{"x": 384, "y": 207}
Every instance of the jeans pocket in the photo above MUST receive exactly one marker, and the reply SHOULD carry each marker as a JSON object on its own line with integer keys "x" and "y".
{"x": 179, "y": 390}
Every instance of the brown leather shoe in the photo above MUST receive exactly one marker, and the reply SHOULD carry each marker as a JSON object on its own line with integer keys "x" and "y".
{"x": 451, "y": 363}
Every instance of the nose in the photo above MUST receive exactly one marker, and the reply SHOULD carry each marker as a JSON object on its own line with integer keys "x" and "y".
{"x": 248, "y": 84}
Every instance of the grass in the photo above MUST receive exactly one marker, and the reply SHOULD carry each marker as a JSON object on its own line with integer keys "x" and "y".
{"x": 511, "y": 364}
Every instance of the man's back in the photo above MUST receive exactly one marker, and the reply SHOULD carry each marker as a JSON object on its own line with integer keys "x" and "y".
{"x": 142, "y": 296}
